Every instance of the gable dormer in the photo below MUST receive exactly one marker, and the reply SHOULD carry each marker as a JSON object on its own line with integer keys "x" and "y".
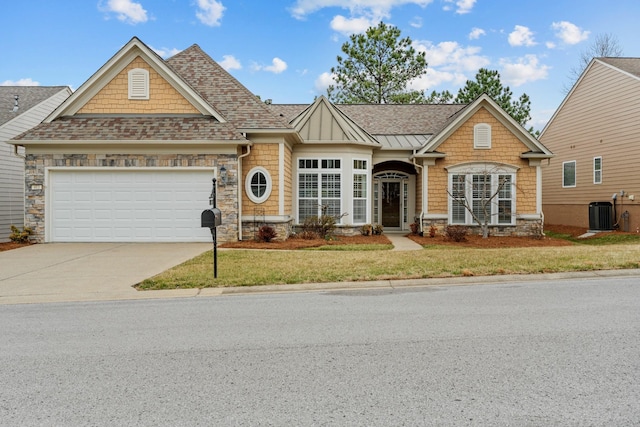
{"x": 322, "y": 122}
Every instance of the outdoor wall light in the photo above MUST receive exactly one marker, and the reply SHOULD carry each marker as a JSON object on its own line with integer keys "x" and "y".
{"x": 223, "y": 175}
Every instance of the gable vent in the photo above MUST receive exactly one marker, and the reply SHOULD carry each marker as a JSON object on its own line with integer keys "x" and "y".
{"x": 482, "y": 136}
{"x": 138, "y": 84}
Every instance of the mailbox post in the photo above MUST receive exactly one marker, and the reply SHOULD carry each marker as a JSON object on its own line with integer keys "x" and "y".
{"x": 212, "y": 218}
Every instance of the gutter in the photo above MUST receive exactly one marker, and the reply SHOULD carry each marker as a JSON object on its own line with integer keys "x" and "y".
{"x": 240, "y": 157}
{"x": 413, "y": 160}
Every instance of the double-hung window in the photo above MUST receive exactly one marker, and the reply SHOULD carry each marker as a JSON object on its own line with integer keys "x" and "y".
{"x": 319, "y": 188}
{"x": 597, "y": 170}
{"x": 360, "y": 179}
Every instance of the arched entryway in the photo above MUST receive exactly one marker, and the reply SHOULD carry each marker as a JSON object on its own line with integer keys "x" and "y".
{"x": 394, "y": 186}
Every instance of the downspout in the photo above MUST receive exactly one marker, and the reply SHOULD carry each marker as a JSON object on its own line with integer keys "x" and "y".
{"x": 413, "y": 160}
{"x": 240, "y": 157}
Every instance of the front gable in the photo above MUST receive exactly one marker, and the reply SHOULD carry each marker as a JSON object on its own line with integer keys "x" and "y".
{"x": 107, "y": 91}
{"x": 507, "y": 137}
{"x": 162, "y": 97}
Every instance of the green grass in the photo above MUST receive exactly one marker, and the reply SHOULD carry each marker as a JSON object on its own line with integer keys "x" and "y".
{"x": 599, "y": 239}
{"x": 358, "y": 263}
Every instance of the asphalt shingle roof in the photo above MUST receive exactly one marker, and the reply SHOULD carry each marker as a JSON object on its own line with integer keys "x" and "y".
{"x": 28, "y": 97}
{"x": 226, "y": 94}
{"x": 630, "y": 65}
{"x": 394, "y": 125}
{"x": 132, "y": 129}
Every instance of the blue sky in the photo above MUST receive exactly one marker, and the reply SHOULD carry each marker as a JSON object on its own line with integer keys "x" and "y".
{"x": 284, "y": 49}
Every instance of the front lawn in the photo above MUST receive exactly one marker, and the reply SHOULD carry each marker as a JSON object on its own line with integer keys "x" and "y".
{"x": 240, "y": 267}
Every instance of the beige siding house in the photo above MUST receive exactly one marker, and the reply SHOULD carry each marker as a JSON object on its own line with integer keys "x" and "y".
{"x": 21, "y": 108}
{"x": 593, "y": 180}
{"x": 132, "y": 154}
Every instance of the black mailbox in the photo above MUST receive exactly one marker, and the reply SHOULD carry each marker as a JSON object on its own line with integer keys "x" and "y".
{"x": 211, "y": 218}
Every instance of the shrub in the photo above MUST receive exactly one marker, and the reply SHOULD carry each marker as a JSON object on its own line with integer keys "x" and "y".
{"x": 457, "y": 233}
{"x": 433, "y": 231}
{"x": 366, "y": 230}
{"x": 414, "y": 228}
{"x": 307, "y": 235}
{"x": 266, "y": 233}
{"x": 377, "y": 229}
{"x": 20, "y": 236}
{"x": 323, "y": 226}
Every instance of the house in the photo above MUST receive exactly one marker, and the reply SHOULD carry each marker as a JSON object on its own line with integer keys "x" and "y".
{"x": 132, "y": 154}
{"x": 21, "y": 108}
{"x": 593, "y": 180}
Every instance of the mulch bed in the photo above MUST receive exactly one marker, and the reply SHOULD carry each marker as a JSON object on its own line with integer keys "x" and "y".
{"x": 12, "y": 245}
{"x": 299, "y": 243}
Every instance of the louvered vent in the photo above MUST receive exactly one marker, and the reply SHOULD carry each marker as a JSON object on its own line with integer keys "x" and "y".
{"x": 482, "y": 136}
{"x": 138, "y": 84}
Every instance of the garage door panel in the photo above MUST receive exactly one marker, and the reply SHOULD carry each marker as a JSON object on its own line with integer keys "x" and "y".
{"x": 115, "y": 205}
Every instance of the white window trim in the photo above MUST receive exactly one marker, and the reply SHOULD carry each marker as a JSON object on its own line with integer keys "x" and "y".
{"x": 247, "y": 185}
{"x": 364, "y": 172}
{"x": 596, "y": 181}
{"x": 482, "y": 136}
{"x": 138, "y": 83}
{"x": 319, "y": 171}
{"x": 478, "y": 169}
{"x": 575, "y": 174}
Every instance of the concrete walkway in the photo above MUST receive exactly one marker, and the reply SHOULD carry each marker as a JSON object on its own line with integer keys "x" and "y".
{"x": 401, "y": 242}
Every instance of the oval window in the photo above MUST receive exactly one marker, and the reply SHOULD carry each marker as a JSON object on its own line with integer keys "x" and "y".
{"x": 258, "y": 185}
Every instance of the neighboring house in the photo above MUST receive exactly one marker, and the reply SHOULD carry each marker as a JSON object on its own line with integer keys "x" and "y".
{"x": 21, "y": 108}
{"x": 593, "y": 180}
{"x": 131, "y": 155}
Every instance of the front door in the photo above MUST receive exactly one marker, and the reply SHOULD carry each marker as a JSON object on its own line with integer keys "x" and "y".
{"x": 390, "y": 205}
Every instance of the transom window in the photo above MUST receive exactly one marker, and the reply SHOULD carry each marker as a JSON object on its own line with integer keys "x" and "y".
{"x": 258, "y": 184}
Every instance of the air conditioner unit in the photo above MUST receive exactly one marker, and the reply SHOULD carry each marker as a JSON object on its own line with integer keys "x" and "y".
{"x": 601, "y": 216}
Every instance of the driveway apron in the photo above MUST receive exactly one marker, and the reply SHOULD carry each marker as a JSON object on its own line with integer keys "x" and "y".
{"x": 56, "y": 272}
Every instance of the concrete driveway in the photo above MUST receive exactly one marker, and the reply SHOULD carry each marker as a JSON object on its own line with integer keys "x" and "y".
{"x": 57, "y": 272}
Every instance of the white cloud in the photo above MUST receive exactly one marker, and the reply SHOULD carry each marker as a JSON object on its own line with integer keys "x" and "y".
{"x": 21, "y": 82}
{"x": 166, "y": 52}
{"x": 229, "y": 62}
{"x": 349, "y": 26}
{"x": 371, "y": 8}
{"x": 126, "y": 11}
{"x": 462, "y": 6}
{"x": 323, "y": 82}
{"x": 416, "y": 22}
{"x": 526, "y": 69}
{"x": 569, "y": 33}
{"x": 476, "y": 33}
{"x": 449, "y": 63}
{"x": 210, "y": 12}
{"x": 521, "y": 36}
{"x": 277, "y": 66}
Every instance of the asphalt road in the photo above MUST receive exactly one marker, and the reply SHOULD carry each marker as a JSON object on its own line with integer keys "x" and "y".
{"x": 521, "y": 354}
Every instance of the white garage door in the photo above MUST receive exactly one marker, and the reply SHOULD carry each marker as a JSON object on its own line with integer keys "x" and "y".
{"x": 128, "y": 205}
